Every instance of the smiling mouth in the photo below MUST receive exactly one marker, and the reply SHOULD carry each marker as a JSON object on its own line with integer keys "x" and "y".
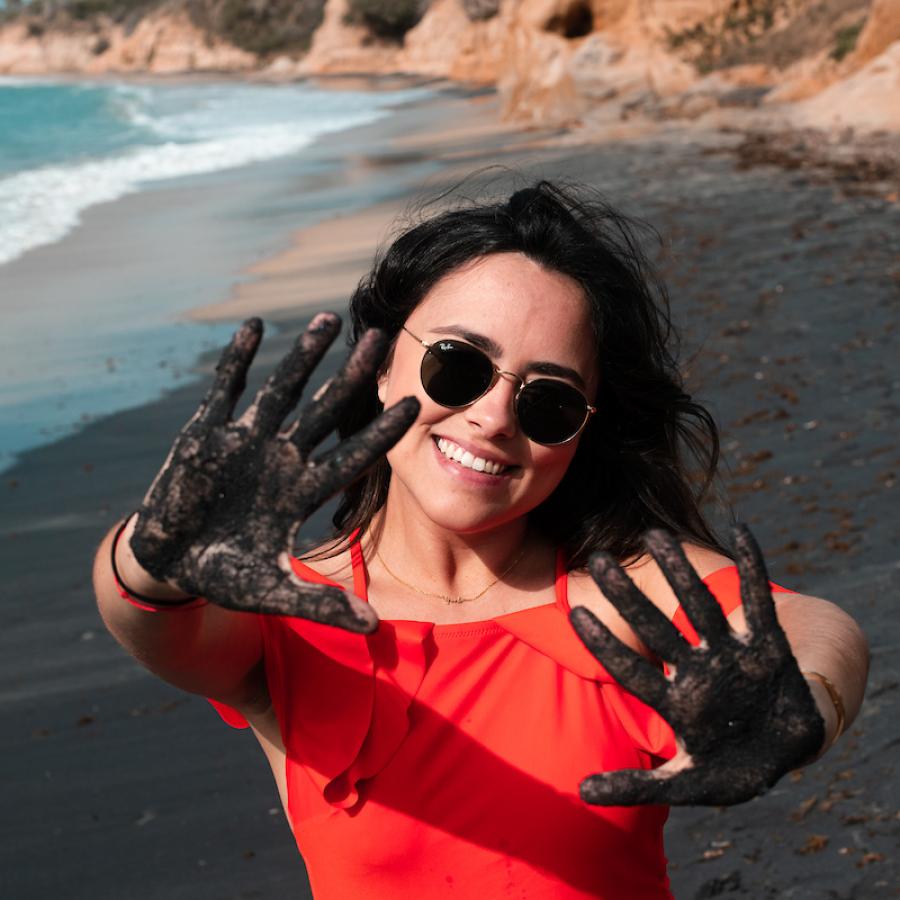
{"x": 468, "y": 460}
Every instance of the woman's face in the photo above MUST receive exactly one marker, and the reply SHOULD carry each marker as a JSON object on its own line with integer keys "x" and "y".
{"x": 526, "y": 316}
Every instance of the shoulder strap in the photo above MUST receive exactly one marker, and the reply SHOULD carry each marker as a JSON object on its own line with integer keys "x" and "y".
{"x": 562, "y": 583}
{"x": 360, "y": 576}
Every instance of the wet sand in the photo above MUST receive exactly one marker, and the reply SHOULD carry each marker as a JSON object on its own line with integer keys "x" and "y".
{"x": 119, "y": 786}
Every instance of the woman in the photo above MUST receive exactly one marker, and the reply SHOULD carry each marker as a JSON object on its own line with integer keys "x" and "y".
{"x": 425, "y": 704}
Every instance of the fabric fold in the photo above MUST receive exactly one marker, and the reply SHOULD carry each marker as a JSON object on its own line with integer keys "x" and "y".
{"x": 343, "y": 700}
{"x": 372, "y": 720}
{"x": 349, "y": 707}
{"x": 548, "y": 630}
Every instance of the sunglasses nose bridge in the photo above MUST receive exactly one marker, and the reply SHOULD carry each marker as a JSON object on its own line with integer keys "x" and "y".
{"x": 490, "y": 415}
{"x": 509, "y": 376}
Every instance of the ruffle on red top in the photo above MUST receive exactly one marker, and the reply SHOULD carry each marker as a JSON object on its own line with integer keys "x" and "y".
{"x": 547, "y": 629}
{"x": 343, "y": 699}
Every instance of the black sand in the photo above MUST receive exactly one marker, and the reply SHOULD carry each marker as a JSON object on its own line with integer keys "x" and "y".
{"x": 118, "y": 786}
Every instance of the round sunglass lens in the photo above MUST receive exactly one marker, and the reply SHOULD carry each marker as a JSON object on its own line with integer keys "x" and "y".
{"x": 455, "y": 374}
{"x": 550, "y": 412}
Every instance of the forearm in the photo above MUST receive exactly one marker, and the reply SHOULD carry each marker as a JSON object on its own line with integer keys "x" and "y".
{"x": 206, "y": 649}
{"x": 826, "y": 640}
{"x": 148, "y": 636}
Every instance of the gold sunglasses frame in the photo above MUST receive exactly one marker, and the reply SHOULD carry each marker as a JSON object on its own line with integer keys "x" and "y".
{"x": 502, "y": 373}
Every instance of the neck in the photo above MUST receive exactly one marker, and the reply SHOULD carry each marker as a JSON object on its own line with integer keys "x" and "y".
{"x": 435, "y": 559}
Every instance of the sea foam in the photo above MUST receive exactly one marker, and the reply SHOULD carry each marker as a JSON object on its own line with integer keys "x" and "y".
{"x": 174, "y": 132}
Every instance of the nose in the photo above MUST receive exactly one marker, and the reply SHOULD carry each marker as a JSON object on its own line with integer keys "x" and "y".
{"x": 493, "y": 415}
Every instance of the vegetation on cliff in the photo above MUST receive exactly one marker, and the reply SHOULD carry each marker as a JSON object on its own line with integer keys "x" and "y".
{"x": 386, "y": 19}
{"x": 260, "y": 26}
{"x": 263, "y": 27}
{"x": 773, "y": 32}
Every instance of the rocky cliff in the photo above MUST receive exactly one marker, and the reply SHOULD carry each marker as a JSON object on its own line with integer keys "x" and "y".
{"x": 824, "y": 63}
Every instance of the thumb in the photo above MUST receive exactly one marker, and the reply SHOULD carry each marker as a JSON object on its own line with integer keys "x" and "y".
{"x": 625, "y": 787}
{"x": 284, "y": 594}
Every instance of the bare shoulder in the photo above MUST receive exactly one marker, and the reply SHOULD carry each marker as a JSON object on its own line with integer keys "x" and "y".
{"x": 648, "y": 577}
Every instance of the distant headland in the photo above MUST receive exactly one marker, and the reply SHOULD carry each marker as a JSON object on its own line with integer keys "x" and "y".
{"x": 801, "y": 64}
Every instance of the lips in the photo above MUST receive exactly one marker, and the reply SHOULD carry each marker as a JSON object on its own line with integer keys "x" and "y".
{"x": 469, "y": 460}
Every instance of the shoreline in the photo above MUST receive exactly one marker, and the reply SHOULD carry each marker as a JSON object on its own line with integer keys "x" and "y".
{"x": 864, "y": 165}
{"x": 328, "y": 256}
{"x": 170, "y": 247}
{"x": 781, "y": 285}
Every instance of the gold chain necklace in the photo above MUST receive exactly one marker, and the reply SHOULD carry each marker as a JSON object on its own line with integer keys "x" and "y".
{"x": 446, "y": 597}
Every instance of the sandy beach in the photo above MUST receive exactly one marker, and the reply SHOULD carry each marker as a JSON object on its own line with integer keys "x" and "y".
{"x": 786, "y": 287}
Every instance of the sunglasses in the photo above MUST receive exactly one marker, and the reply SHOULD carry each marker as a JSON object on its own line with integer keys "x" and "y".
{"x": 456, "y": 374}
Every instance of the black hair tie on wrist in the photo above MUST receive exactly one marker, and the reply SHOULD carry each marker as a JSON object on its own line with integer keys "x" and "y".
{"x": 150, "y": 601}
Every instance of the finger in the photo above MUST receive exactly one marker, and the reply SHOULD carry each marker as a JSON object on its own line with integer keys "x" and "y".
{"x": 320, "y": 417}
{"x": 701, "y": 607}
{"x": 334, "y": 470}
{"x": 283, "y": 594}
{"x": 689, "y": 787}
{"x": 231, "y": 375}
{"x": 630, "y": 669}
{"x": 756, "y": 593}
{"x": 279, "y": 395}
{"x": 651, "y": 626}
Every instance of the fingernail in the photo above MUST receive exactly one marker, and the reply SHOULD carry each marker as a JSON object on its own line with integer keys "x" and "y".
{"x": 323, "y": 321}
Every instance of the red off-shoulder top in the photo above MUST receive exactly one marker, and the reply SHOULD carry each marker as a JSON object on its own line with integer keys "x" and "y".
{"x": 436, "y": 761}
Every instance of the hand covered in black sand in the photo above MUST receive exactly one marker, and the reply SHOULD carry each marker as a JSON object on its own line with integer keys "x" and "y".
{"x": 219, "y": 520}
{"x": 741, "y": 710}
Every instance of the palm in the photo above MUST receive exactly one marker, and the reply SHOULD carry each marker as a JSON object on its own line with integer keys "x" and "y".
{"x": 221, "y": 517}
{"x": 740, "y": 708}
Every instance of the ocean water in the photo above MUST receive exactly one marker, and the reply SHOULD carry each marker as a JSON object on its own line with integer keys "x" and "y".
{"x": 91, "y": 323}
{"x": 67, "y": 147}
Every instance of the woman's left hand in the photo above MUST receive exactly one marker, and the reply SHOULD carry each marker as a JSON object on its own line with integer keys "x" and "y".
{"x": 742, "y": 712}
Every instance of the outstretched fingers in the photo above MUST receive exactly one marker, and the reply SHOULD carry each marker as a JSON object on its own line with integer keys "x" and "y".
{"x": 635, "y": 673}
{"x": 341, "y": 466}
{"x": 756, "y": 594}
{"x": 231, "y": 375}
{"x": 320, "y": 417}
{"x": 651, "y": 626}
{"x": 282, "y": 390}
{"x": 694, "y": 596}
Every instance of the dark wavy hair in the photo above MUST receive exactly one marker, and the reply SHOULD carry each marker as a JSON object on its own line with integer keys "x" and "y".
{"x": 649, "y": 455}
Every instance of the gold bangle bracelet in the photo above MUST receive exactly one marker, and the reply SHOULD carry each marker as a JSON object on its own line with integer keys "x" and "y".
{"x": 836, "y": 700}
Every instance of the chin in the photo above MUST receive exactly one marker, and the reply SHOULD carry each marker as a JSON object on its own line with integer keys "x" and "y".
{"x": 453, "y": 514}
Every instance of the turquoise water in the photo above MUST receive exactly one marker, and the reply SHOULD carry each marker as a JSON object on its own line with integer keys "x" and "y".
{"x": 123, "y": 206}
{"x": 65, "y": 147}
{"x": 51, "y": 123}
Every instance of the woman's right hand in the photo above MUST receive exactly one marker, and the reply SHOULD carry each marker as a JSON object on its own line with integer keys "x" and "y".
{"x": 219, "y": 520}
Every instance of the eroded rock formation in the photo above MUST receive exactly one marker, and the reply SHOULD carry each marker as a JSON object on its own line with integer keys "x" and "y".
{"x": 554, "y": 61}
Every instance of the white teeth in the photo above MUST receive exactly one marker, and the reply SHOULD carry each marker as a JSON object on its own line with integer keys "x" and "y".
{"x": 467, "y": 459}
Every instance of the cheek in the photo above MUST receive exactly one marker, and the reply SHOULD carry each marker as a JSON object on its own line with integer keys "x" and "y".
{"x": 550, "y": 464}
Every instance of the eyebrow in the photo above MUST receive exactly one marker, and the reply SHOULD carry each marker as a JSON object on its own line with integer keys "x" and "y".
{"x": 494, "y": 351}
